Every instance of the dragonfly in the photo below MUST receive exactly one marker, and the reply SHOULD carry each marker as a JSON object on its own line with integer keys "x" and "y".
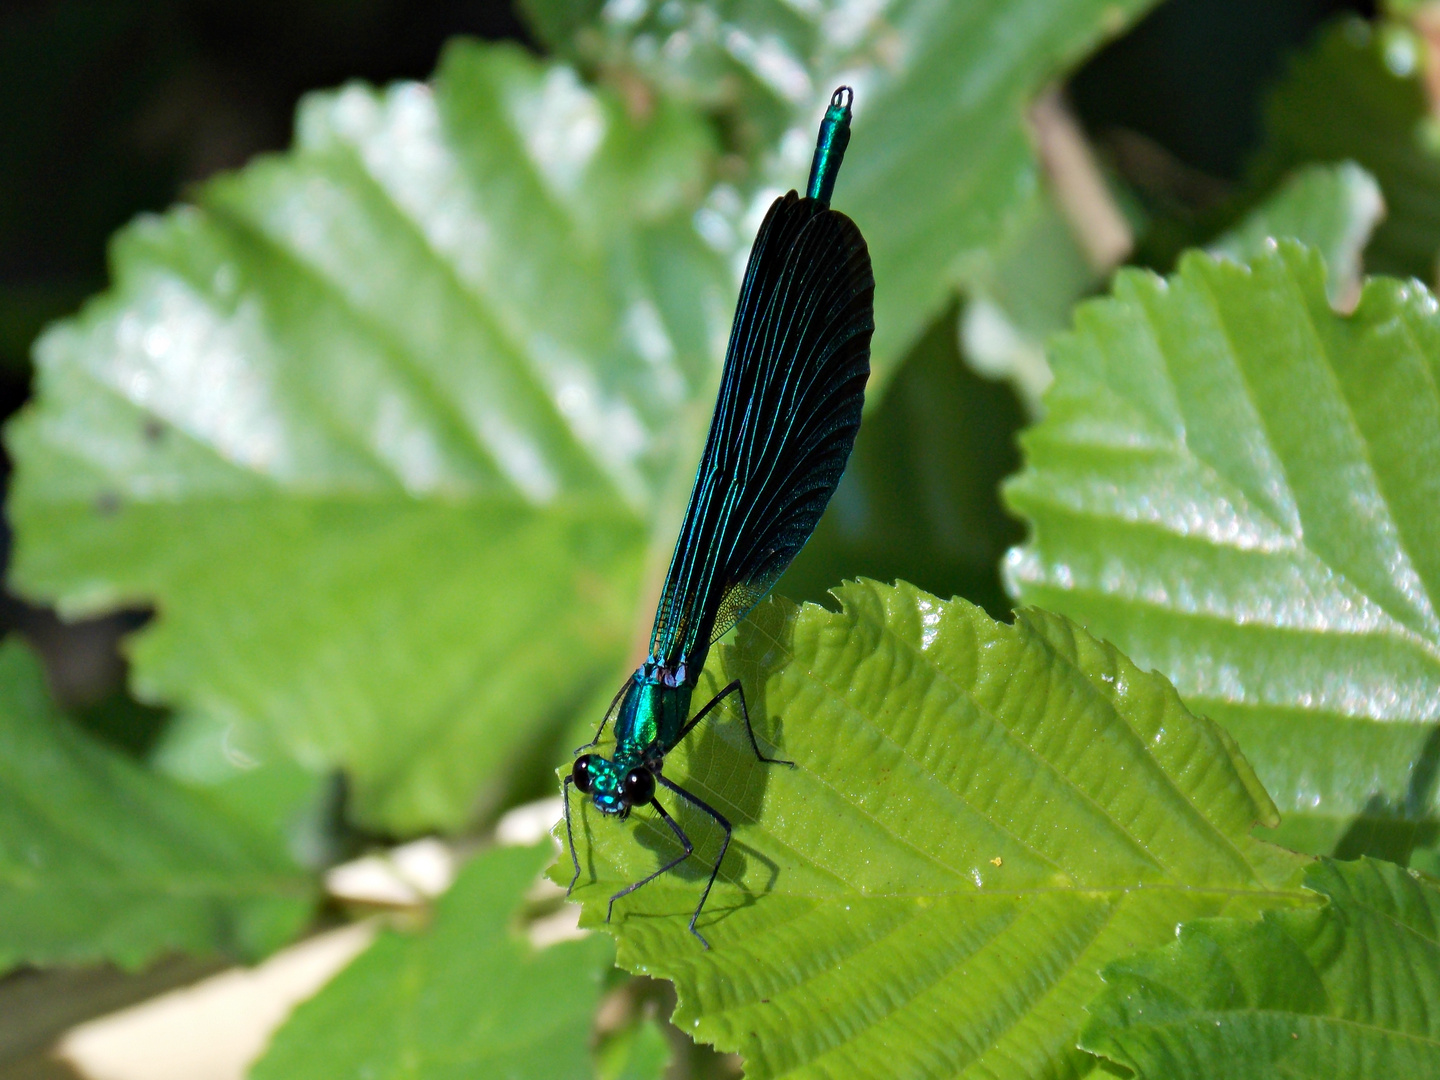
{"x": 785, "y": 421}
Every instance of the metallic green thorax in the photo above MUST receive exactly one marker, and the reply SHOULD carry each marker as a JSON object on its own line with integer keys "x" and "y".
{"x": 653, "y": 709}
{"x": 830, "y": 147}
{"x": 651, "y": 715}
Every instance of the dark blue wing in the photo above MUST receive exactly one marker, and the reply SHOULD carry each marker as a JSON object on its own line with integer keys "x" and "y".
{"x": 784, "y": 424}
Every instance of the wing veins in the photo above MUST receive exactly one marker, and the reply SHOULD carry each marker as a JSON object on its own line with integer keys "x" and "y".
{"x": 785, "y": 420}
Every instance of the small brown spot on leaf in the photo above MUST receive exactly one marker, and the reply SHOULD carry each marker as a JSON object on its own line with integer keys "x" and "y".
{"x": 107, "y": 504}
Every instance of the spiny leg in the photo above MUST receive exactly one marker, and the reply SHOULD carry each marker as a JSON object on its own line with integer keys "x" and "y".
{"x": 684, "y": 840}
{"x": 606, "y": 718}
{"x": 733, "y": 688}
{"x": 724, "y": 847}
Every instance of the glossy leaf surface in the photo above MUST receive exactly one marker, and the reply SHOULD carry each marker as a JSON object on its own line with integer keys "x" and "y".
{"x": 102, "y": 860}
{"x": 1238, "y": 486}
{"x": 380, "y": 426}
{"x": 940, "y": 159}
{"x": 982, "y": 817}
{"x": 1349, "y": 991}
{"x": 467, "y": 996}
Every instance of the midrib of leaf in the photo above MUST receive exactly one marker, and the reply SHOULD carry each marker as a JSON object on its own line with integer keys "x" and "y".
{"x": 1240, "y": 498}
{"x": 509, "y": 332}
{"x": 1034, "y": 759}
{"x": 1326, "y": 369}
{"x": 503, "y": 341}
{"x": 860, "y": 956}
{"x": 1330, "y": 562}
{"x": 346, "y": 403}
{"x": 1260, "y": 500}
{"x": 1189, "y": 557}
{"x": 439, "y": 404}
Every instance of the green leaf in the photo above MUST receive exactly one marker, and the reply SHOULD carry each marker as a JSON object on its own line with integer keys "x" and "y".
{"x": 465, "y": 997}
{"x": 1333, "y": 208}
{"x": 102, "y": 860}
{"x": 638, "y": 1051}
{"x": 380, "y": 427}
{"x": 1358, "y": 94}
{"x": 1241, "y": 489}
{"x": 982, "y": 817}
{"x": 940, "y": 160}
{"x": 1021, "y": 294}
{"x": 234, "y": 769}
{"x": 1349, "y": 991}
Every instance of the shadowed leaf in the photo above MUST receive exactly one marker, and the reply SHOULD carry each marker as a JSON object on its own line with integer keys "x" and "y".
{"x": 102, "y": 860}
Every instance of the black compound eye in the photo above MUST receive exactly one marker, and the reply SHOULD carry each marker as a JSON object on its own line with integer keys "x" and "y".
{"x": 639, "y": 786}
{"x": 581, "y": 774}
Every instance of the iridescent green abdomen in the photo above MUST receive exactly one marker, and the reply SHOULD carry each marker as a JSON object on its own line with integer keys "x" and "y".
{"x": 830, "y": 147}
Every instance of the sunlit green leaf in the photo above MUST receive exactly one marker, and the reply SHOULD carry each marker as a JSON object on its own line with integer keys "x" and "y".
{"x": 465, "y": 997}
{"x": 982, "y": 817}
{"x": 1333, "y": 208}
{"x": 1358, "y": 94}
{"x": 1349, "y": 991}
{"x": 940, "y": 161}
{"x": 102, "y": 860}
{"x": 381, "y": 425}
{"x": 1241, "y": 488}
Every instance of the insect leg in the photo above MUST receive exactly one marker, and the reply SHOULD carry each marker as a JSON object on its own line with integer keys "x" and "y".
{"x": 724, "y": 847}
{"x": 685, "y": 840}
{"x": 606, "y": 718}
{"x": 569, "y": 833}
{"x": 733, "y": 688}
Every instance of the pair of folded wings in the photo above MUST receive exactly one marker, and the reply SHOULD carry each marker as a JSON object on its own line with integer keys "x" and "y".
{"x": 785, "y": 421}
